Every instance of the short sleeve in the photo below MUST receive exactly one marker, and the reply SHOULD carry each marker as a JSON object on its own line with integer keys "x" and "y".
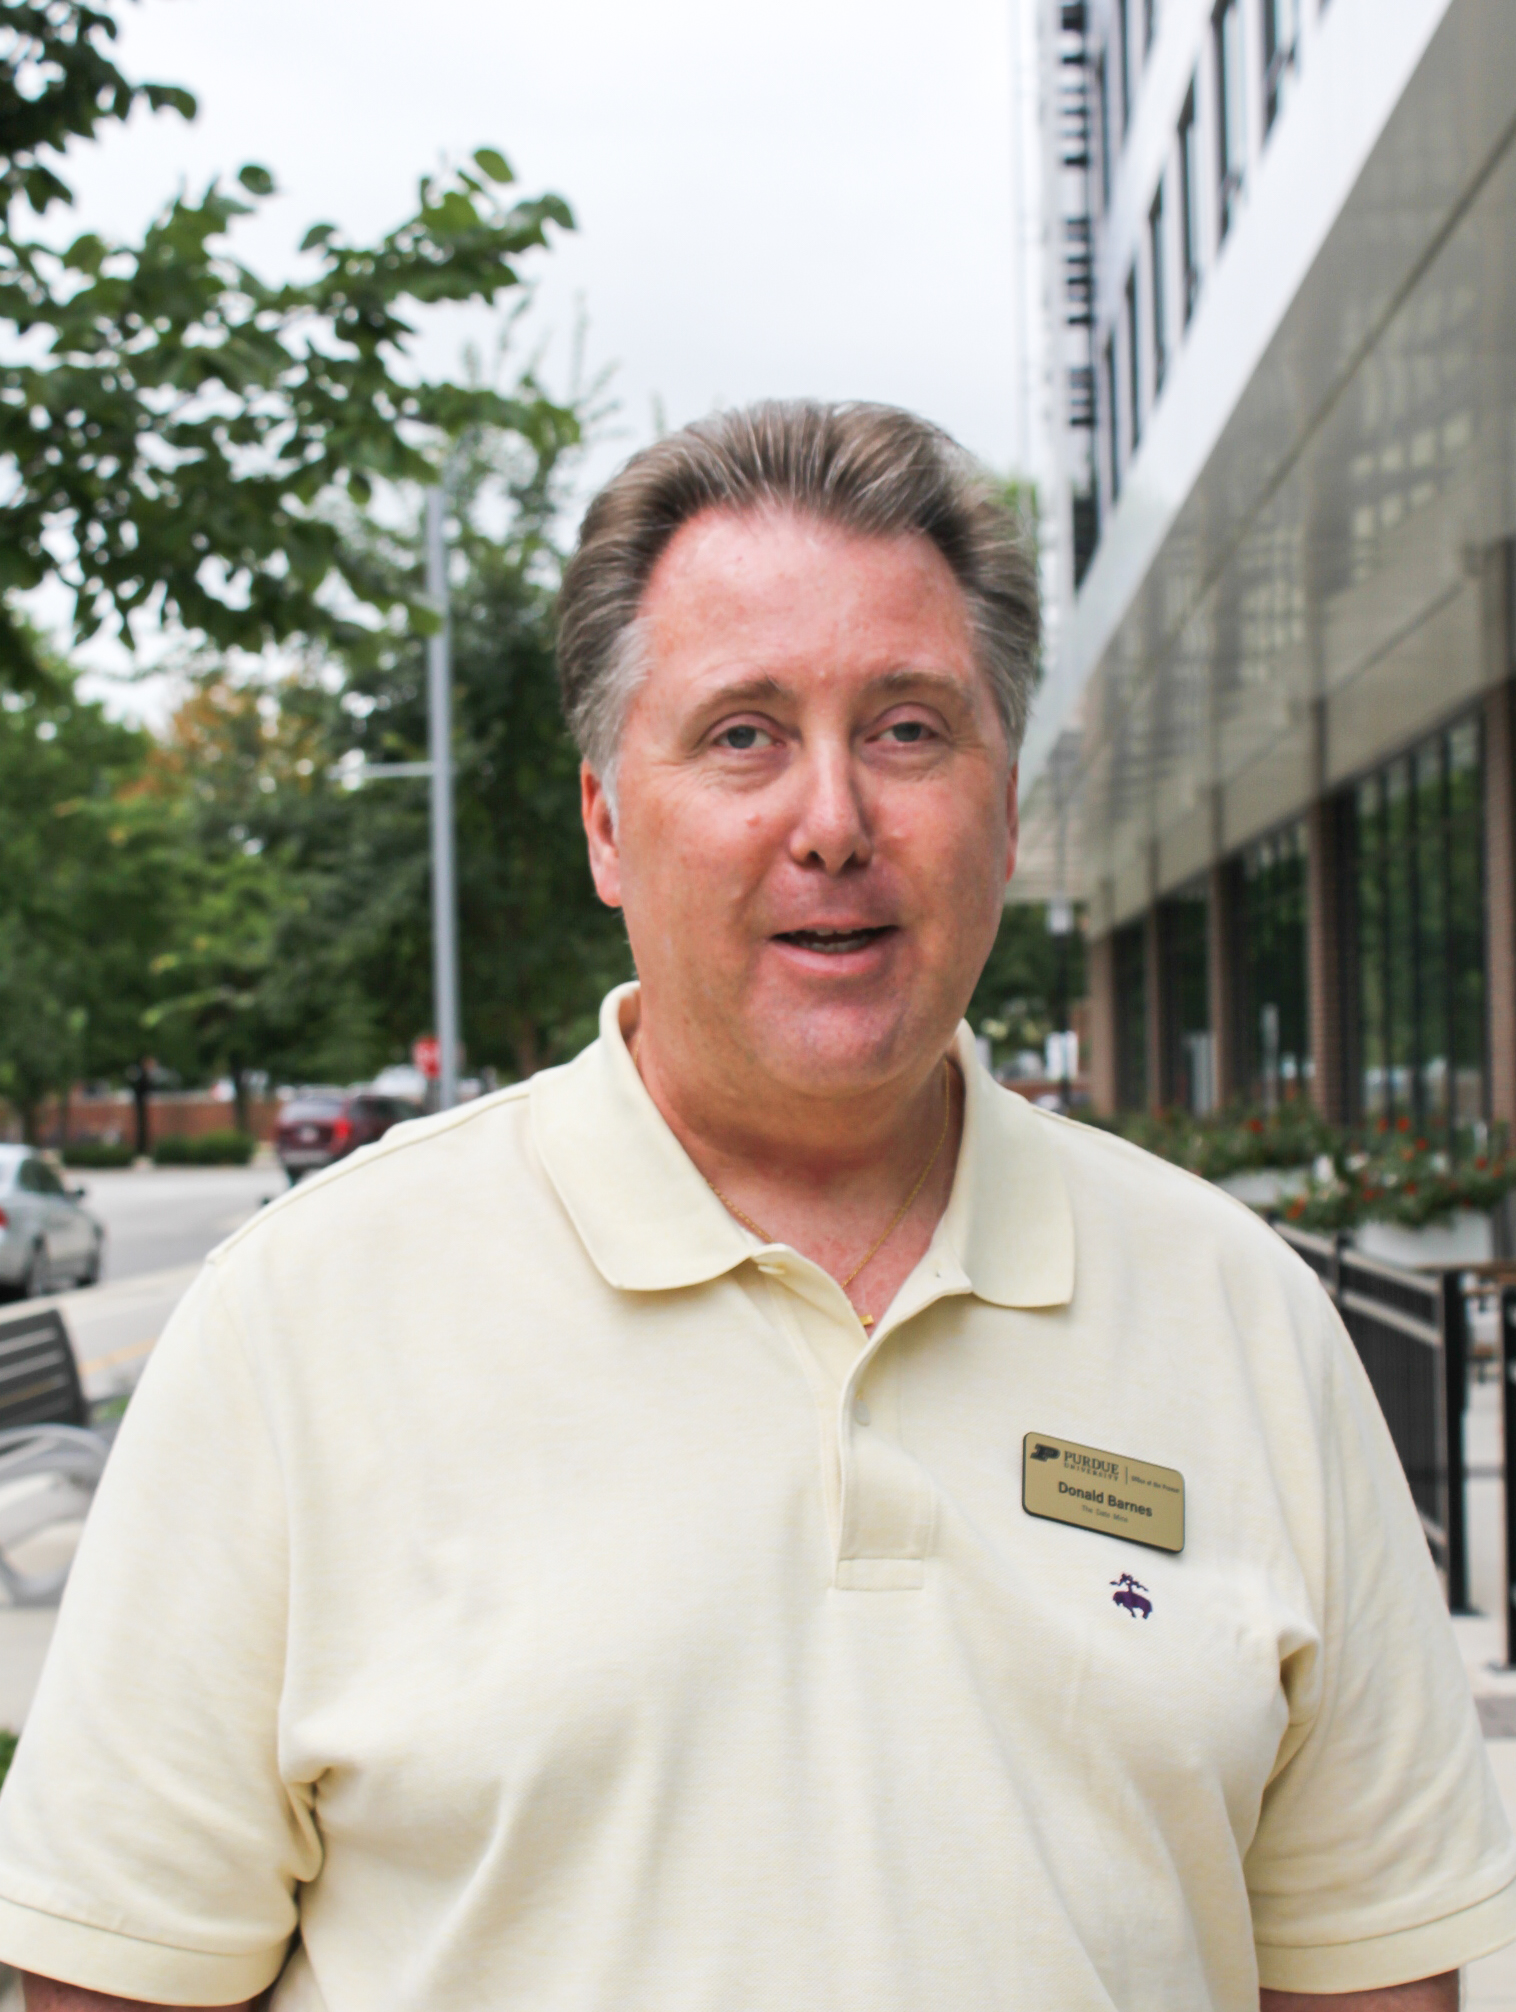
{"x": 148, "y": 1846}
{"x": 1382, "y": 1853}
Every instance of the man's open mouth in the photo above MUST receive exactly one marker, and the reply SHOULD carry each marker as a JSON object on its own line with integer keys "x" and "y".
{"x": 834, "y": 942}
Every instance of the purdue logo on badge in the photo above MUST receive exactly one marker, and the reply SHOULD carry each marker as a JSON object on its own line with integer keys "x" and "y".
{"x": 1105, "y": 1493}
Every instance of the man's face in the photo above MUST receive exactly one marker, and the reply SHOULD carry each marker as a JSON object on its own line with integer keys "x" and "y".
{"x": 816, "y": 809}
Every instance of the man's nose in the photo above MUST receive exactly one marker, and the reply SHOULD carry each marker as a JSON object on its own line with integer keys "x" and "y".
{"x": 832, "y": 828}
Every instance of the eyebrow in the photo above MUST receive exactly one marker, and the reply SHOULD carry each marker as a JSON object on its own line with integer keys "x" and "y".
{"x": 749, "y": 691}
{"x": 756, "y": 690}
{"x": 914, "y": 679}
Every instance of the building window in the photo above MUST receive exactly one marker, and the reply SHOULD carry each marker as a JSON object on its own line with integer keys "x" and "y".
{"x": 1129, "y": 958}
{"x": 1189, "y": 1060}
{"x": 1111, "y": 406}
{"x": 1103, "y": 115}
{"x": 1280, "y": 41}
{"x": 1149, "y": 23}
{"x": 1272, "y": 1018}
{"x": 1124, "y": 59}
{"x": 1226, "y": 32}
{"x": 1189, "y": 202}
{"x": 1133, "y": 361}
{"x": 1157, "y": 280}
{"x": 1416, "y": 883}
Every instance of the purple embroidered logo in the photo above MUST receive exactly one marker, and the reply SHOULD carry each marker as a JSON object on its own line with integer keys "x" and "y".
{"x": 1131, "y": 1594}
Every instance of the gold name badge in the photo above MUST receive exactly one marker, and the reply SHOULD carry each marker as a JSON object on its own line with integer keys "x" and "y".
{"x": 1069, "y": 1483}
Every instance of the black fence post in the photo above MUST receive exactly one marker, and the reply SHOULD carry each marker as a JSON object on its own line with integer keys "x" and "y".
{"x": 1455, "y": 1364}
{"x": 1508, "y": 1423}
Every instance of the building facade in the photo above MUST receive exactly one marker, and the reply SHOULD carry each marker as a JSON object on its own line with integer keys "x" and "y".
{"x": 1272, "y": 753}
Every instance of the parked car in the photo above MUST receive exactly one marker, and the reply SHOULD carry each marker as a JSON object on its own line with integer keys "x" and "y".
{"x": 317, "y": 1127}
{"x": 46, "y": 1239}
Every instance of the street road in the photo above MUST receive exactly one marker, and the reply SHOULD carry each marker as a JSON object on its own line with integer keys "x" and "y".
{"x": 169, "y": 1216}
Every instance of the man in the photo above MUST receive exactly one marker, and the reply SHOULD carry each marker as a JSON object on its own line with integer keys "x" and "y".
{"x": 760, "y": 1517}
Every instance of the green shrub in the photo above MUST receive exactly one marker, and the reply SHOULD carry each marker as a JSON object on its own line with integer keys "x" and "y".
{"x": 98, "y": 1153}
{"x": 211, "y": 1149}
{"x": 7, "y": 1753}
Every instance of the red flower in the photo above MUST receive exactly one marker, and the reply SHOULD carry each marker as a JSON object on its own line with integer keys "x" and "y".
{"x": 1410, "y": 1188}
{"x": 1296, "y": 1209}
{"x": 1422, "y": 1146}
{"x": 1255, "y": 1124}
{"x": 1481, "y": 1163}
{"x": 1402, "y": 1124}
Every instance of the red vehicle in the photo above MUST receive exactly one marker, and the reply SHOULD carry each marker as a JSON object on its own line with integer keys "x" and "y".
{"x": 320, "y": 1126}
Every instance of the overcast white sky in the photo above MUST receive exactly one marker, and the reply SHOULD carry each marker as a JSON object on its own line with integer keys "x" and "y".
{"x": 804, "y": 197}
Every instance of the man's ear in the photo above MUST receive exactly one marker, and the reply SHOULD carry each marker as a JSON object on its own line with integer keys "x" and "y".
{"x": 600, "y": 832}
{"x": 1012, "y": 820}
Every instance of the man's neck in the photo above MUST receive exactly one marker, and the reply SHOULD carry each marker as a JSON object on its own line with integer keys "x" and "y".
{"x": 831, "y": 1181}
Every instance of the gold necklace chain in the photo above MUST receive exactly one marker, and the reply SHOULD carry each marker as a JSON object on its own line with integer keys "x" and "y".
{"x": 865, "y": 1319}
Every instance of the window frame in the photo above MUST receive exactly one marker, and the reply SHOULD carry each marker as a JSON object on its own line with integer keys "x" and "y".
{"x": 1122, "y": 32}
{"x": 1189, "y": 202}
{"x": 1157, "y": 286}
{"x": 1113, "y": 408}
{"x": 1280, "y": 60}
{"x": 1228, "y": 52}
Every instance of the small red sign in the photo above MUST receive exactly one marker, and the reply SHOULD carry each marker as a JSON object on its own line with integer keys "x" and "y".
{"x": 426, "y": 1055}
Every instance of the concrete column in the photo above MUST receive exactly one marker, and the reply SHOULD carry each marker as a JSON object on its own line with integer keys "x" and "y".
{"x": 1500, "y": 897}
{"x": 1101, "y": 968}
{"x": 1221, "y": 968}
{"x": 1325, "y": 960}
{"x": 1157, "y": 1007}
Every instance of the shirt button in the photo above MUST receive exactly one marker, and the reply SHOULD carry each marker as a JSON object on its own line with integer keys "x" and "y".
{"x": 860, "y": 1411}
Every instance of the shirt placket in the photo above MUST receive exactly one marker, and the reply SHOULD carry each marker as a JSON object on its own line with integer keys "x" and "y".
{"x": 880, "y": 1502}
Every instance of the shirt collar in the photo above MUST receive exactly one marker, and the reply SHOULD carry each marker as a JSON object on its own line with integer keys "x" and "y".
{"x": 651, "y": 1223}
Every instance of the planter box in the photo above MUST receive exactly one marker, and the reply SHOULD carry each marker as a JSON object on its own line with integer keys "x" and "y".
{"x": 1266, "y": 1187}
{"x": 1467, "y": 1237}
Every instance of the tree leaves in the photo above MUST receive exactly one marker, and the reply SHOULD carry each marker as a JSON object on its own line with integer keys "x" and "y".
{"x": 492, "y": 164}
{"x": 175, "y": 430}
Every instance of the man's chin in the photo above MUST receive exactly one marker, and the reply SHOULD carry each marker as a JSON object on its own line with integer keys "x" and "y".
{"x": 836, "y": 1047}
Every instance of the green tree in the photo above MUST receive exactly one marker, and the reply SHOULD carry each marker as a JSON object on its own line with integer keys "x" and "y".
{"x": 347, "y": 980}
{"x": 1032, "y": 977}
{"x": 90, "y": 863}
{"x": 173, "y": 427}
{"x": 538, "y": 949}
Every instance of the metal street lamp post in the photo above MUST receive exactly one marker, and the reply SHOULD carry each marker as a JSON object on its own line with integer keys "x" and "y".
{"x": 438, "y": 769}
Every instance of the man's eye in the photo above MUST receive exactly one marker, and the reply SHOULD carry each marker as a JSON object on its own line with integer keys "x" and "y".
{"x": 742, "y": 737}
{"x": 907, "y": 731}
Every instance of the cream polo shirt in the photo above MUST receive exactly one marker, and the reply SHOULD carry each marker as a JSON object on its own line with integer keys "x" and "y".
{"x": 515, "y": 1586}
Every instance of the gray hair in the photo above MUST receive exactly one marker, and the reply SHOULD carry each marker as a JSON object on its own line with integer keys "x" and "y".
{"x": 871, "y": 469}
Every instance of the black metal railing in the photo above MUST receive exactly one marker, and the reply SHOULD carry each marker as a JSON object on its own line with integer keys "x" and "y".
{"x": 1410, "y": 1329}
